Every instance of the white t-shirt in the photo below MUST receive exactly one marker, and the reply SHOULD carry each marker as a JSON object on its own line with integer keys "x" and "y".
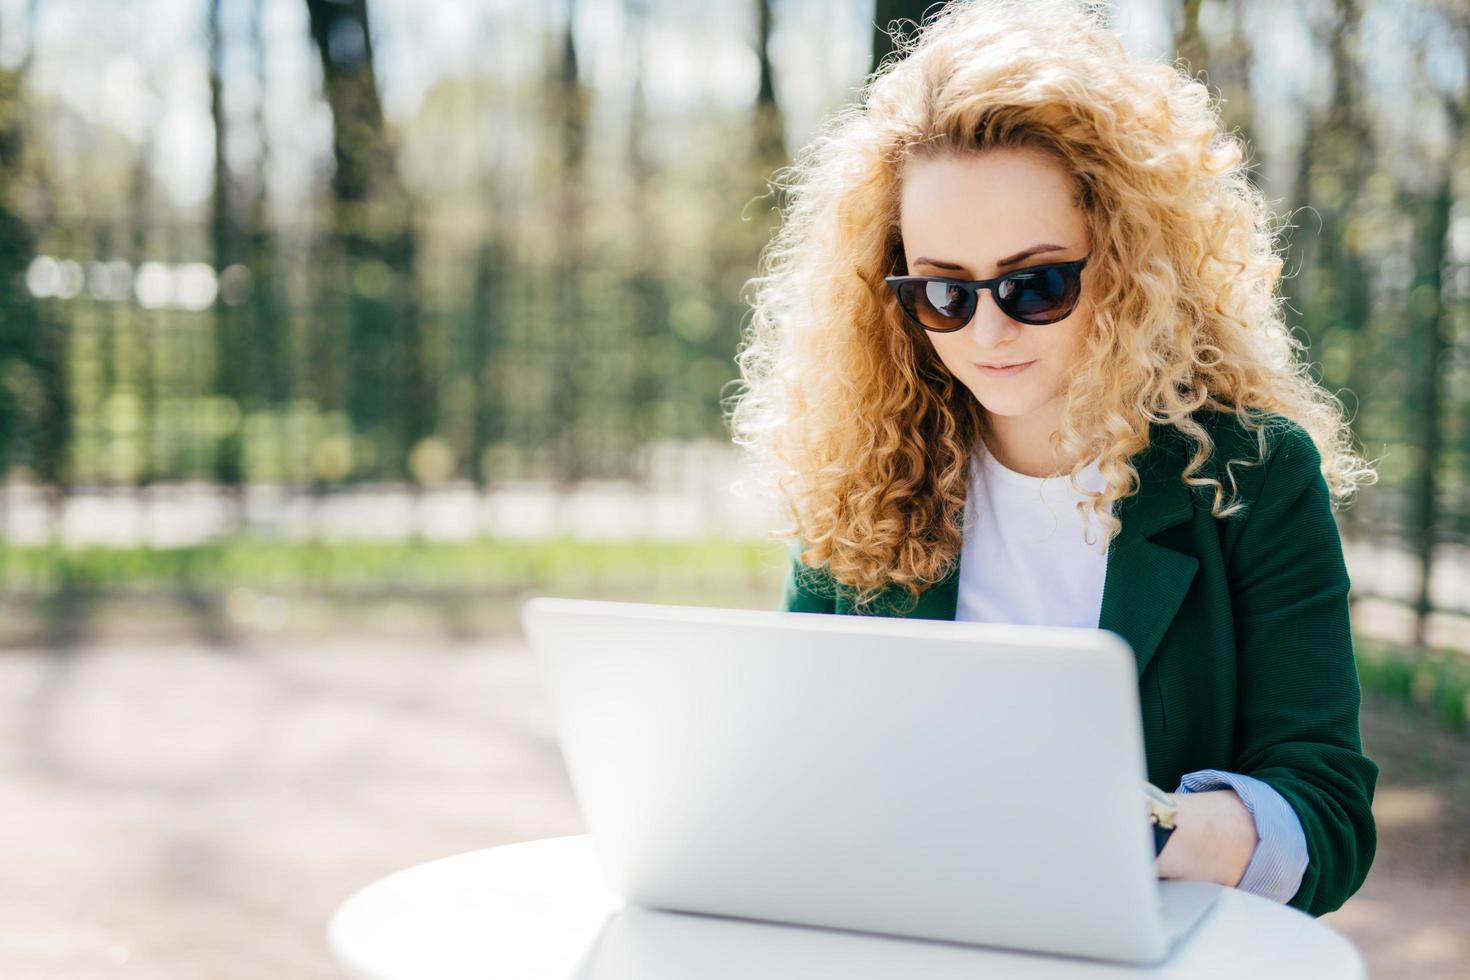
{"x": 1025, "y": 558}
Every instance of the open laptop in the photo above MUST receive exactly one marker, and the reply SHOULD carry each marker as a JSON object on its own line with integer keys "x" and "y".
{"x": 968, "y": 782}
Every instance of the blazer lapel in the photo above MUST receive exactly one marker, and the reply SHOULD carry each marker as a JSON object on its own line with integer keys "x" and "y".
{"x": 1145, "y": 581}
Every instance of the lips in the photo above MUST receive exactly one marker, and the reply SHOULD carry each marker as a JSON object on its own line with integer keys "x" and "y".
{"x": 1009, "y": 371}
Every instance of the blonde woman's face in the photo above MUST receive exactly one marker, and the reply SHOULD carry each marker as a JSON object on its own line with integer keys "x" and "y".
{"x": 963, "y": 216}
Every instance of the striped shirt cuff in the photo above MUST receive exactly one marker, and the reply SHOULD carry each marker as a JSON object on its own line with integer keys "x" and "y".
{"x": 1280, "y": 859}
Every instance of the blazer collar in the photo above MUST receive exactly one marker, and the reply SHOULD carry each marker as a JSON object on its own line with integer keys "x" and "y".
{"x": 1146, "y": 580}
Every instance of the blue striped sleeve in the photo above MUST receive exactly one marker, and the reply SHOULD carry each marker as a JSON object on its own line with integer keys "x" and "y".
{"x": 1280, "y": 859}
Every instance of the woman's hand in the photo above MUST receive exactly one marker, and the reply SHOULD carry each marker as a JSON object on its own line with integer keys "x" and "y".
{"x": 1213, "y": 839}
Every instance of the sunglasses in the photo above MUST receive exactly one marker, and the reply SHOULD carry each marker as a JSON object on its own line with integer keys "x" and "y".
{"x": 1036, "y": 295}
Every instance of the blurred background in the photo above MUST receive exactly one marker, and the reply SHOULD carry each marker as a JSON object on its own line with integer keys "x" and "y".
{"x": 331, "y": 330}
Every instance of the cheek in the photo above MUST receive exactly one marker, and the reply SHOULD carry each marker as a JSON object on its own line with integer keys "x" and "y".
{"x": 1066, "y": 345}
{"x": 948, "y": 347}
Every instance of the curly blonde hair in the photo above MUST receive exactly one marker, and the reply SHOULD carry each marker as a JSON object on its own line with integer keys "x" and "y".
{"x": 851, "y": 417}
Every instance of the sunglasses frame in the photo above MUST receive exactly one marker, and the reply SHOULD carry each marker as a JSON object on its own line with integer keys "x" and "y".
{"x": 973, "y": 287}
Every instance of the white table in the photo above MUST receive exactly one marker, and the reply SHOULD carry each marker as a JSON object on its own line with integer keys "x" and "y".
{"x": 540, "y": 910}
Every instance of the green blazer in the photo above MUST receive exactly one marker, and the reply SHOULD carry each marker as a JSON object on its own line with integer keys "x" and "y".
{"x": 1240, "y": 630}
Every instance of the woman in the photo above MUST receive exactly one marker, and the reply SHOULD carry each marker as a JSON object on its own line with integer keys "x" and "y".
{"x": 1016, "y": 190}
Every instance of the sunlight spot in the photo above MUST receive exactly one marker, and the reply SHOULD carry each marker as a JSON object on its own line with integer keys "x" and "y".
{"x": 1399, "y": 807}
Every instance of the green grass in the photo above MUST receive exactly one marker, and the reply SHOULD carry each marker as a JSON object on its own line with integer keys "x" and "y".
{"x": 485, "y": 563}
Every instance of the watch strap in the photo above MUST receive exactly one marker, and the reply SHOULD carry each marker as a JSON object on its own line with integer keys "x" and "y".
{"x": 1161, "y": 836}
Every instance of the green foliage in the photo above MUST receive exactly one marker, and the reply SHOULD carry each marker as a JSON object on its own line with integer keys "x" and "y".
{"x": 1435, "y": 680}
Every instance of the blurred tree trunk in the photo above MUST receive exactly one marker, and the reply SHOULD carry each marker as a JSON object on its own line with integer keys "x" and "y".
{"x": 768, "y": 125}
{"x": 380, "y": 369}
{"x": 259, "y": 287}
{"x": 1222, "y": 64}
{"x": 731, "y": 260}
{"x": 649, "y": 295}
{"x": 1457, "y": 107}
{"x": 1338, "y": 157}
{"x": 1189, "y": 45}
{"x": 18, "y": 314}
{"x": 569, "y": 331}
{"x": 141, "y": 325}
{"x": 768, "y": 137}
{"x": 1349, "y": 250}
{"x": 885, "y": 12}
{"x": 1231, "y": 62}
{"x": 1338, "y": 160}
{"x": 767, "y": 154}
{"x": 486, "y": 350}
{"x": 230, "y": 353}
{"x": 1429, "y": 320}
{"x": 35, "y": 410}
{"x": 17, "y": 247}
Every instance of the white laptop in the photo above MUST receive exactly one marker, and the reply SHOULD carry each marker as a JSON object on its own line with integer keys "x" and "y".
{"x": 968, "y": 782}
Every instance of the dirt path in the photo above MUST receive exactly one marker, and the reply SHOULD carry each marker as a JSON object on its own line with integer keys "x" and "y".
{"x": 182, "y": 809}
{"x": 1411, "y": 918}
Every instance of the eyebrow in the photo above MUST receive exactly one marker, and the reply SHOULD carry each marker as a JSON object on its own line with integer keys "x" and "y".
{"x": 1011, "y": 260}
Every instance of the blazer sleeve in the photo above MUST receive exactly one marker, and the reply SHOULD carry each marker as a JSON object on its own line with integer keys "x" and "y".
{"x": 1298, "y": 694}
{"x": 797, "y": 593}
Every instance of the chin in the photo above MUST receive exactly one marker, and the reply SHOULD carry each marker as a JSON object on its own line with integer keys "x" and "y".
{"x": 1006, "y": 403}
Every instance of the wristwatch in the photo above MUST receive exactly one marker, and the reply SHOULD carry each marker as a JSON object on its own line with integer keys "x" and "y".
{"x": 1161, "y": 812}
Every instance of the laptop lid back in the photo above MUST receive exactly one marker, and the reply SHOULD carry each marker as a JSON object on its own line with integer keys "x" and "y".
{"x": 972, "y": 782}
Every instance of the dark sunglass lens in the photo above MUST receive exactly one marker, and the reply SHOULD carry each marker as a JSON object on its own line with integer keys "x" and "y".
{"x": 1043, "y": 295}
{"x": 938, "y": 305}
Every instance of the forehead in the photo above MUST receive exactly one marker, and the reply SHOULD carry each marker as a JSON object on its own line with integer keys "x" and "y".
{"x": 975, "y": 208}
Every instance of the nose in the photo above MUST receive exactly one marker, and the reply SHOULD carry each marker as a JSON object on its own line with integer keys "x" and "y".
{"x": 990, "y": 324}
